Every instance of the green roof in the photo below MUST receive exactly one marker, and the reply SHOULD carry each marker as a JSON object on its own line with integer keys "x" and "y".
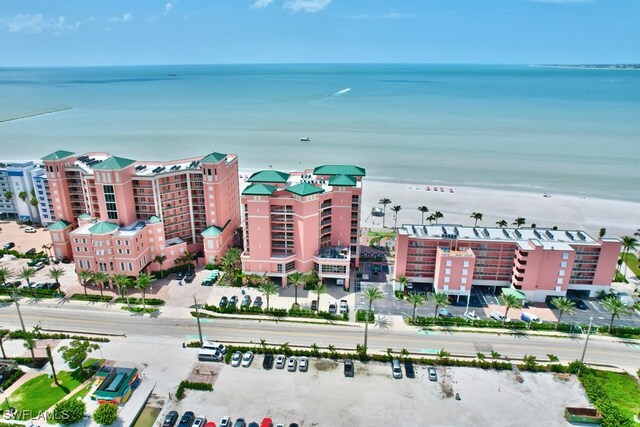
{"x": 304, "y": 189}
{"x": 259, "y": 190}
{"x": 269, "y": 176}
{"x": 84, "y": 216}
{"x": 214, "y": 158}
{"x": 343, "y": 181}
{"x": 154, "y": 220}
{"x": 114, "y": 163}
{"x": 214, "y": 230}
{"x": 61, "y": 224}
{"x": 103, "y": 227}
{"x": 516, "y": 293}
{"x": 339, "y": 170}
{"x": 57, "y": 155}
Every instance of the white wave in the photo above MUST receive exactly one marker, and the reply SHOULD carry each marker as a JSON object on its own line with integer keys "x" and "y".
{"x": 340, "y": 92}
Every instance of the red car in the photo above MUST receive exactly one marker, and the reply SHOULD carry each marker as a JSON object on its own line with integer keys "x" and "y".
{"x": 266, "y": 422}
{"x": 210, "y": 424}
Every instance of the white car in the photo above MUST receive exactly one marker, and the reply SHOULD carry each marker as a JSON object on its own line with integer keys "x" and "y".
{"x": 471, "y": 315}
{"x": 30, "y": 230}
{"x": 291, "y": 364}
{"x": 236, "y": 359}
{"x": 247, "y": 359}
{"x": 214, "y": 345}
{"x": 280, "y": 361}
{"x": 200, "y": 421}
{"x": 303, "y": 366}
{"x": 226, "y": 422}
{"x": 496, "y": 315}
{"x": 344, "y": 307}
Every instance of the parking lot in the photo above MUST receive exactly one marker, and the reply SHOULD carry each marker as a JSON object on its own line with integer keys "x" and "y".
{"x": 323, "y": 396}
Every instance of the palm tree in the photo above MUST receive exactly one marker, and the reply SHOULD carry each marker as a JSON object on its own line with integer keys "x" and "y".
{"x": 230, "y": 260}
{"x": 296, "y": 280}
{"x": 502, "y": 223}
{"x": 5, "y": 274}
{"x": 27, "y": 273}
{"x": 320, "y": 289}
{"x": 186, "y": 259}
{"x": 371, "y": 294}
{"x": 477, "y": 216}
{"x": 30, "y": 344}
{"x": 396, "y": 209}
{"x": 603, "y": 231}
{"x": 416, "y": 300}
{"x": 267, "y": 289}
{"x": 403, "y": 282}
{"x": 438, "y": 215}
{"x": 510, "y": 301}
{"x": 101, "y": 278}
{"x": 160, "y": 259}
{"x": 56, "y": 273}
{"x": 519, "y": 222}
{"x": 384, "y": 202}
{"x": 123, "y": 283}
{"x": 432, "y": 218}
{"x": 565, "y": 305}
{"x": 47, "y": 248}
{"x": 9, "y": 196}
{"x": 23, "y": 196}
{"x": 629, "y": 243}
{"x": 616, "y": 306}
{"x": 423, "y": 210}
{"x": 142, "y": 282}
{"x": 440, "y": 299}
{"x": 85, "y": 276}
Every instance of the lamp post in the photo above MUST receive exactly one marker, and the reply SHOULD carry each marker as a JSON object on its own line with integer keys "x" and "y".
{"x": 195, "y": 303}
{"x": 586, "y": 342}
{"x": 466, "y": 310}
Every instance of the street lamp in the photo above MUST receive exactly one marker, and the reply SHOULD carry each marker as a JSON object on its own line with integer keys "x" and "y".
{"x": 586, "y": 342}
{"x": 195, "y": 303}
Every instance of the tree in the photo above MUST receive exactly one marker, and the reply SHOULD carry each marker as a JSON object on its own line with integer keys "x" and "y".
{"x": 495, "y": 355}
{"x": 47, "y": 247}
{"x": 53, "y": 369}
{"x": 23, "y": 196}
{"x": 9, "y": 196}
{"x": 616, "y": 306}
{"x": 440, "y": 299}
{"x": 186, "y": 259}
{"x": 55, "y": 273}
{"x": 477, "y": 216}
{"x": 123, "y": 283}
{"x": 315, "y": 349}
{"x": 85, "y": 276}
{"x": 510, "y": 301}
{"x": 637, "y": 233}
{"x": 404, "y": 353}
{"x": 69, "y": 411}
{"x": 231, "y": 260}
{"x": 106, "y": 414}
{"x": 101, "y": 278}
{"x": 384, "y": 202}
{"x": 519, "y": 222}
{"x": 603, "y": 231}
{"x": 320, "y": 289}
{"x": 396, "y": 209}
{"x": 629, "y": 243}
{"x": 76, "y": 353}
{"x": 564, "y": 305}
{"x": 431, "y": 218}
{"x": 416, "y": 300}
{"x": 423, "y": 210}
{"x": 160, "y": 259}
{"x": 27, "y": 273}
{"x": 267, "y": 289}
{"x": 502, "y": 223}
{"x": 296, "y": 279}
{"x": 371, "y": 295}
{"x": 438, "y": 215}
{"x": 5, "y": 275}
{"x": 142, "y": 282}
{"x": 30, "y": 344}
{"x": 403, "y": 282}
{"x": 530, "y": 362}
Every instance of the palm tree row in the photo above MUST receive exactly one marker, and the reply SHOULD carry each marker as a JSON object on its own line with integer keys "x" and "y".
{"x": 629, "y": 243}
{"x": 27, "y": 273}
{"x": 122, "y": 282}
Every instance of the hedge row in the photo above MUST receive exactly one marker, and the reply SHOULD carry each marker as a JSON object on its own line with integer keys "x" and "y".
{"x": 136, "y": 309}
{"x": 189, "y": 385}
{"x": 20, "y": 255}
{"x": 32, "y": 292}
{"x": 138, "y": 301}
{"x": 172, "y": 270}
{"x": 92, "y": 298}
{"x": 276, "y": 312}
{"x": 36, "y": 363}
{"x": 20, "y": 335}
{"x": 614, "y": 415}
{"x": 15, "y": 376}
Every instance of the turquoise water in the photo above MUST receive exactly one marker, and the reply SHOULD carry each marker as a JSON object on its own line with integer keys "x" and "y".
{"x": 573, "y": 131}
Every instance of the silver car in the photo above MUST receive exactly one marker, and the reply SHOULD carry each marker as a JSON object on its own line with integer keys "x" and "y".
{"x": 280, "y": 361}
{"x": 236, "y": 359}
{"x": 292, "y": 363}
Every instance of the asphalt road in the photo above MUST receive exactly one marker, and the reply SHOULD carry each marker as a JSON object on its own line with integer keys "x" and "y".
{"x": 602, "y": 350}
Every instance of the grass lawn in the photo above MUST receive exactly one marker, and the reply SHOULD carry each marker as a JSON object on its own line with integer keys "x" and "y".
{"x": 383, "y": 234}
{"x": 632, "y": 262}
{"x": 40, "y": 393}
{"x": 621, "y": 388}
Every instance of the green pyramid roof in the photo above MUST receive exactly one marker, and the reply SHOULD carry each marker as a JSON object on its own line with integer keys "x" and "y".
{"x": 214, "y": 157}
{"x": 339, "y": 170}
{"x": 114, "y": 163}
{"x": 343, "y": 181}
{"x": 214, "y": 230}
{"x": 57, "y": 155}
{"x": 103, "y": 227}
{"x": 154, "y": 220}
{"x": 305, "y": 189}
{"x": 61, "y": 224}
{"x": 84, "y": 216}
{"x": 259, "y": 190}
{"x": 269, "y": 176}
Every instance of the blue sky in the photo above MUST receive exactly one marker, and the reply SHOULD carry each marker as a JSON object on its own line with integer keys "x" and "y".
{"x": 116, "y": 32}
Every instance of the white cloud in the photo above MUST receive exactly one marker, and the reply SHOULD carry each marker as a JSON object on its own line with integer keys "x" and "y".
{"x": 151, "y": 18}
{"x": 260, "y": 4}
{"x": 309, "y": 6}
{"x": 560, "y": 1}
{"x": 168, "y": 7}
{"x": 37, "y": 23}
{"x": 126, "y": 17}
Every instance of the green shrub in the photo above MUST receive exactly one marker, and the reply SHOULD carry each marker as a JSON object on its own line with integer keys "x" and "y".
{"x": 92, "y": 298}
{"x": 106, "y": 414}
{"x": 20, "y": 335}
{"x": 32, "y": 292}
{"x": 143, "y": 310}
{"x": 69, "y": 411}
{"x": 138, "y": 301}
{"x": 361, "y": 315}
{"x": 15, "y": 376}
{"x": 188, "y": 385}
{"x": 399, "y": 294}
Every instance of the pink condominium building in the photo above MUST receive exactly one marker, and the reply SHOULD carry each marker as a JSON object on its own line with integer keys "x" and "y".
{"x": 117, "y": 215}
{"x": 303, "y": 221}
{"x": 534, "y": 261}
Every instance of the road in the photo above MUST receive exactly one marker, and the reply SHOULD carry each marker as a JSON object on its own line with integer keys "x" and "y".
{"x": 602, "y": 350}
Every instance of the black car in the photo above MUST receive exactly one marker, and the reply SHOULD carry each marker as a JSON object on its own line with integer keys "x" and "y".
{"x": 188, "y": 278}
{"x": 314, "y": 305}
{"x": 233, "y": 300}
{"x": 267, "y": 363}
{"x": 8, "y": 246}
{"x": 65, "y": 260}
{"x": 30, "y": 251}
{"x": 240, "y": 422}
{"x": 257, "y": 302}
{"x": 187, "y": 419}
{"x": 179, "y": 275}
{"x": 223, "y": 302}
{"x": 253, "y": 424}
{"x": 348, "y": 368}
{"x": 408, "y": 369}
{"x": 170, "y": 419}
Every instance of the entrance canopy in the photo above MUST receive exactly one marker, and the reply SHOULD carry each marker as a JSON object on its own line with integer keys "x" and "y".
{"x": 516, "y": 293}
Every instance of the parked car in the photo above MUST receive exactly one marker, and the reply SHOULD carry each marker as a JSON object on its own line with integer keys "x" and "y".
{"x": 8, "y": 246}
{"x": 333, "y": 309}
{"x": 396, "y": 369}
{"x": 291, "y": 364}
{"x": 471, "y": 315}
{"x": 14, "y": 284}
{"x": 223, "y": 302}
{"x": 179, "y": 275}
{"x": 344, "y": 306}
{"x": 233, "y": 300}
{"x": 214, "y": 345}
{"x": 266, "y": 422}
{"x": 294, "y": 425}
{"x": 253, "y": 424}
{"x": 314, "y": 305}
{"x": 580, "y": 305}
{"x": 39, "y": 266}
{"x": 431, "y": 371}
{"x": 30, "y": 230}
{"x": 496, "y": 315}
{"x": 30, "y": 251}
{"x": 170, "y": 419}
{"x": 236, "y": 359}
{"x": 303, "y": 366}
{"x": 240, "y": 422}
{"x": 443, "y": 312}
{"x": 247, "y": 359}
{"x": 65, "y": 260}
{"x": 200, "y": 421}
{"x": 226, "y": 422}
{"x": 188, "y": 278}
{"x": 530, "y": 317}
{"x": 210, "y": 424}
{"x": 210, "y": 355}
{"x": 280, "y": 361}
{"x": 34, "y": 261}
{"x": 246, "y": 301}
{"x": 408, "y": 369}
{"x": 257, "y": 302}
{"x": 187, "y": 419}
{"x": 349, "y": 370}
{"x": 267, "y": 362}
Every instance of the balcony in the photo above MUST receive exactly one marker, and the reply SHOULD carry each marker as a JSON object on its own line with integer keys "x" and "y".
{"x": 334, "y": 252}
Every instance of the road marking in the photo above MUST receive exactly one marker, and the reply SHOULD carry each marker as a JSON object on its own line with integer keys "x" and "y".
{"x": 195, "y": 337}
{"x": 429, "y": 351}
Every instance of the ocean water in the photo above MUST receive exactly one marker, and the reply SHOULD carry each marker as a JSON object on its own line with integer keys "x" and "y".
{"x": 557, "y": 130}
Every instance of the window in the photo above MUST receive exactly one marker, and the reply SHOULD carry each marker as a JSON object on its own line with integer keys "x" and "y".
{"x": 122, "y": 266}
{"x": 110, "y": 201}
{"x": 447, "y": 279}
{"x": 463, "y": 280}
{"x": 563, "y": 264}
{"x": 465, "y": 264}
{"x": 559, "y": 282}
{"x": 448, "y": 263}
{"x": 561, "y": 273}
{"x": 80, "y": 264}
{"x": 447, "y": 271}
{"x": 565, "y": 255}
{"x": 465, "y": 272}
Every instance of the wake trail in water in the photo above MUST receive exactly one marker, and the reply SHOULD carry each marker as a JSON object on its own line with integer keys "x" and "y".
{"x": 28, "y": 116}
{"x": 340, "y": 92}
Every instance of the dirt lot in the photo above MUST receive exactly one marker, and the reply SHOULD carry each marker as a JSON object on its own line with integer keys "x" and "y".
{"x": 324, "y": 397}
{"x": 12, "y": 232}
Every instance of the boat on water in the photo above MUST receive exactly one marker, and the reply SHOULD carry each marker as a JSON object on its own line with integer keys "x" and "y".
{"x": 305, "y": 139}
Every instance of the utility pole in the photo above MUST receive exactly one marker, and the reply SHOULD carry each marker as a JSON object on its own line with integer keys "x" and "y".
{"x": 195, "y": 303}
{"x": 586, "y": 342}
{"x": 15, "y": 300}
{"x": 55, "y": 377}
